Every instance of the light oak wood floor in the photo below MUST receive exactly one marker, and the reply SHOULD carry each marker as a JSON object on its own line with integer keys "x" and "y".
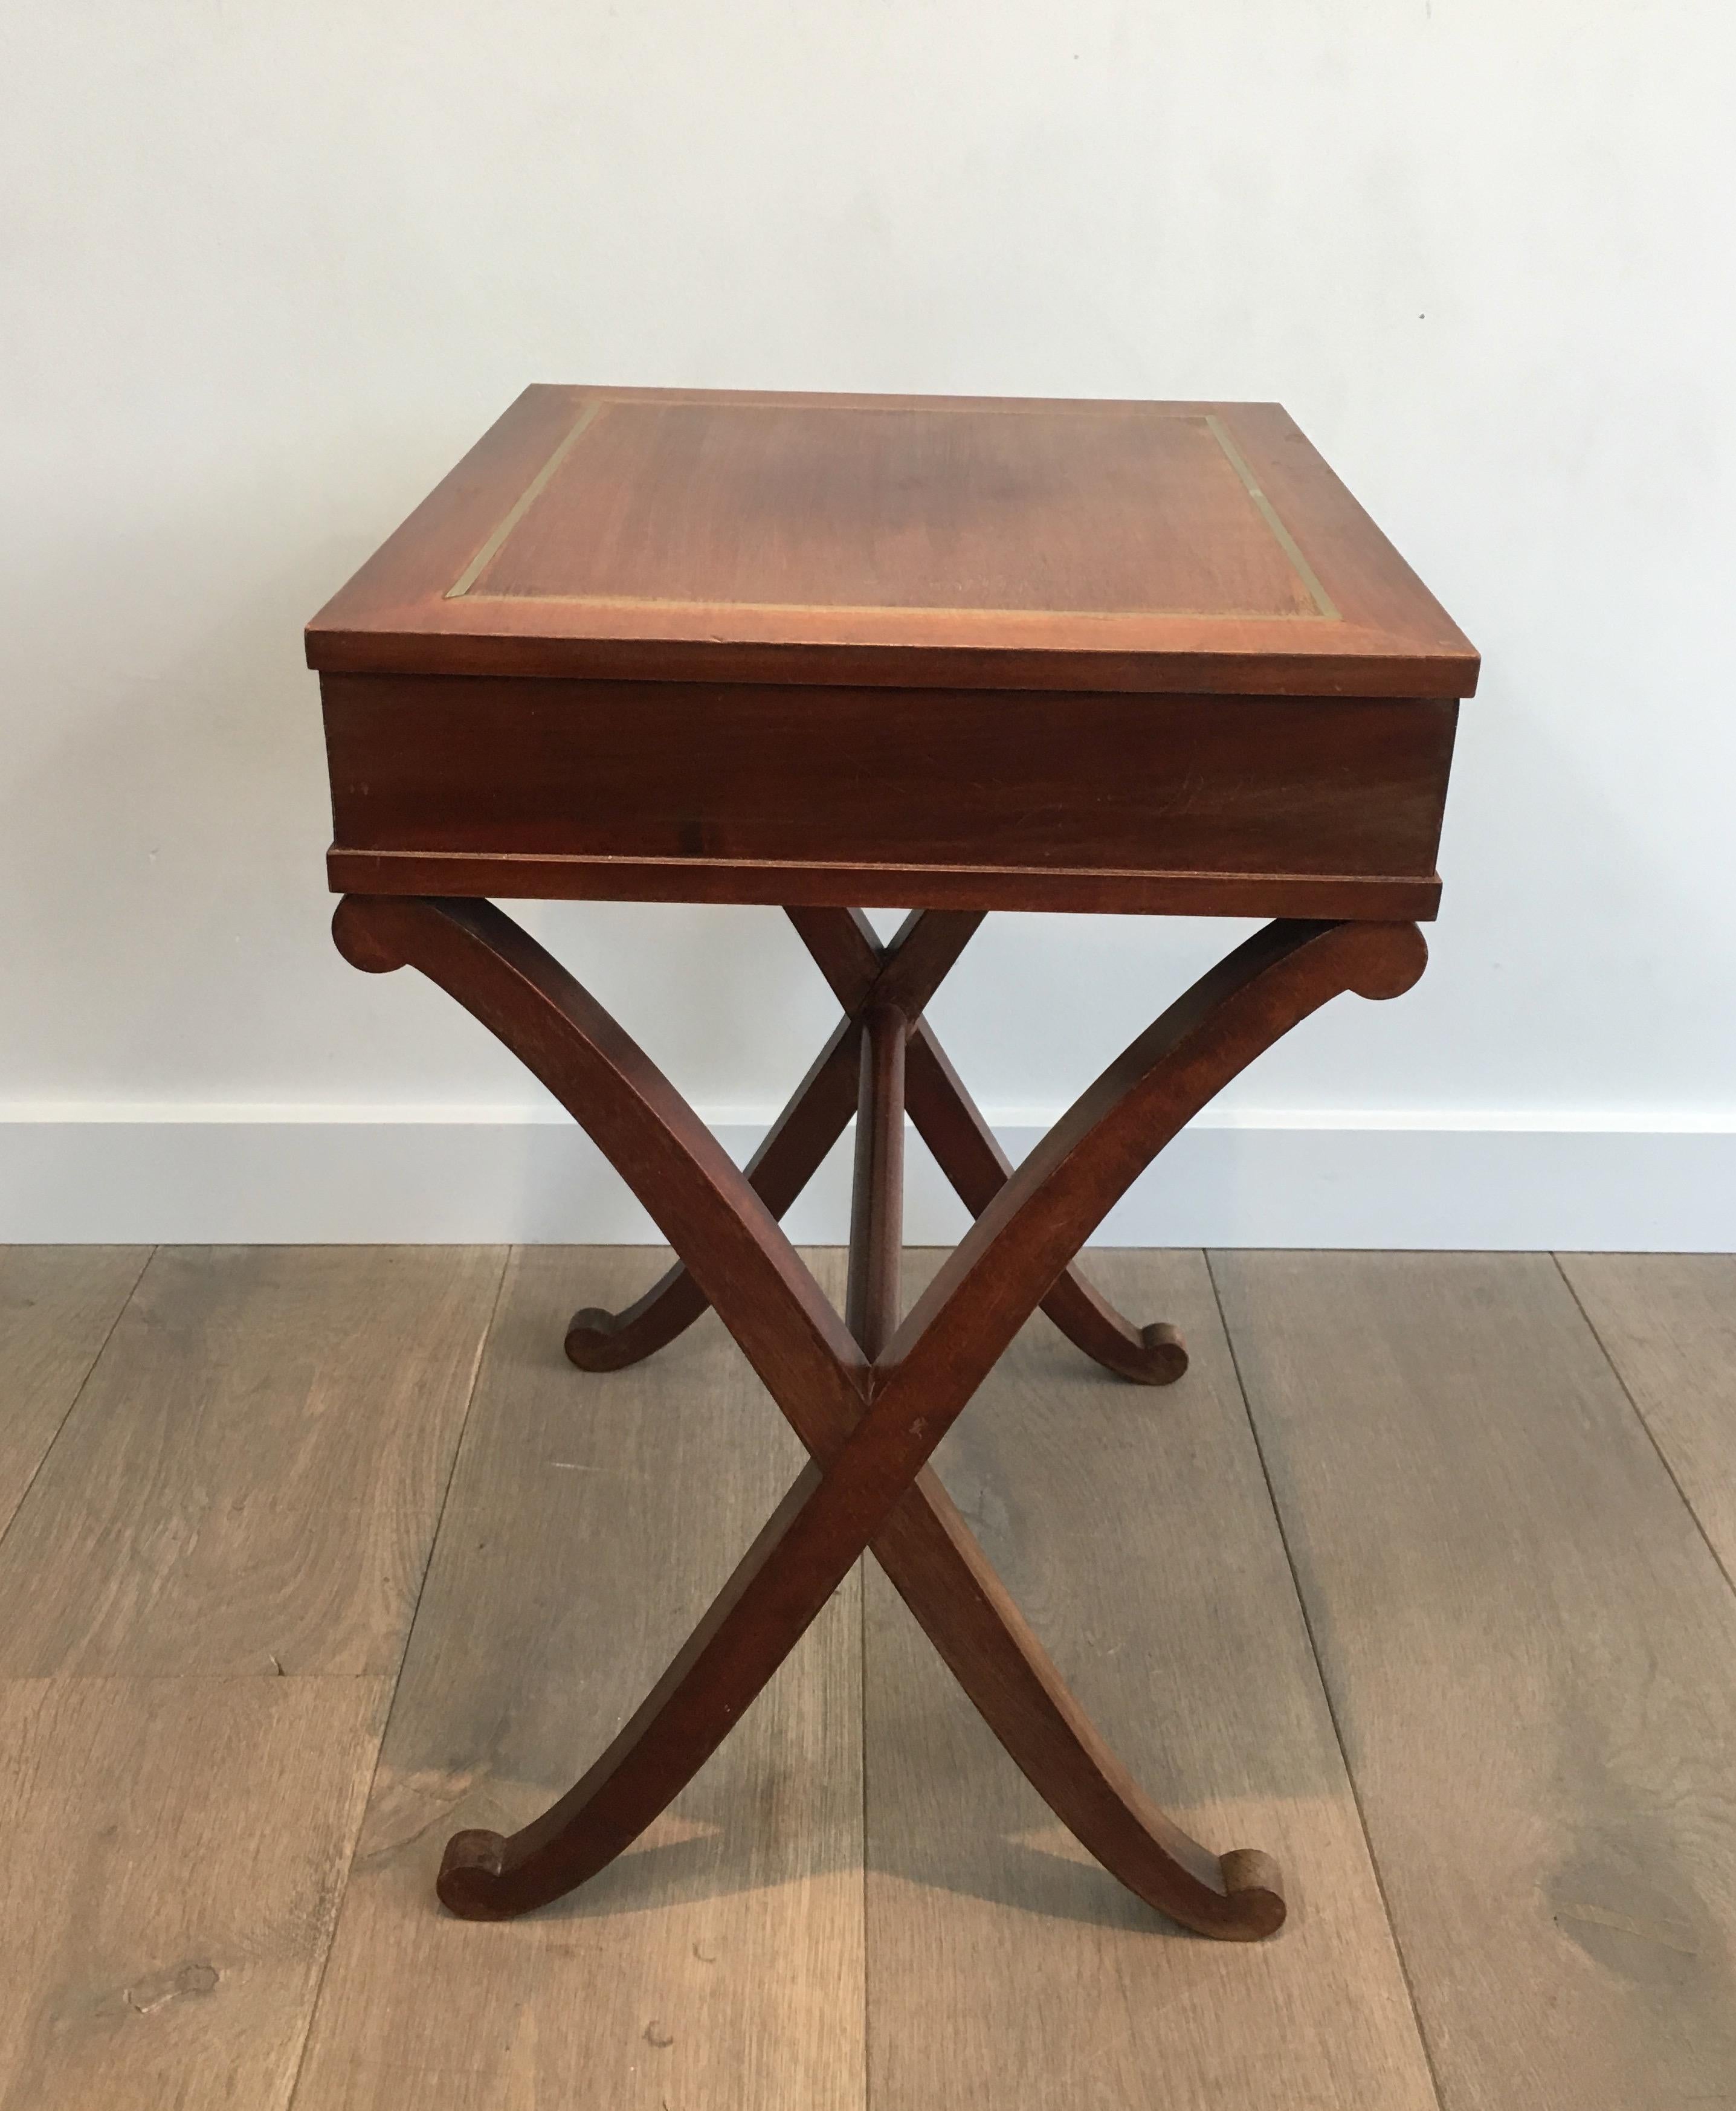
{"x": 1421, "y": 1579}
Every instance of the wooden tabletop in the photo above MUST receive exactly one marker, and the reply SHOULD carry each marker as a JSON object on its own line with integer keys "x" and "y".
{"x": 834, "y": 650}
{"x": 683, "y": 535}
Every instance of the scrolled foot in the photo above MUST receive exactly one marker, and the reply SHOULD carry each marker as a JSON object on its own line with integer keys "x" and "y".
{"x": 363, "y": 929}
{"x": 1255, "y": 1892}
{"x": 469, "y": 1882}
{"x": 1384, "y": 959}
{"x": 599, "y": 1340}
{"x": 1153, "y": 1355}
{"x": 1165, "y": 1358}
{"x": 596, "y": 1341}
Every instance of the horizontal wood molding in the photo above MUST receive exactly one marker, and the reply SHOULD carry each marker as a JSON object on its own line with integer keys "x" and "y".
{"x": 572, "y": 879}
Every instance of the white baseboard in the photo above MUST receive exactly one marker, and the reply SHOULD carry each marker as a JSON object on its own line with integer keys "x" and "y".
{"x": 290, "y": 1175}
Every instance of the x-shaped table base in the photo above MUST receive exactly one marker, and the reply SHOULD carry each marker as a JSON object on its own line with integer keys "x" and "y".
{"x": 870, "y": 1396}
{"x": 904, "y": 975}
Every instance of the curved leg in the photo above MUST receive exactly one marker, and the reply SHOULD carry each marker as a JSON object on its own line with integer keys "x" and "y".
{"x": 965, "y": 1151}
{"x": 844, "y": 947}
{"x": 844, "y": 943}
{"x": 874, "y": 1428}
{"x": 942, "y": 1575}
{"x": 906, "y": 972}
{"x": 815, "y": 1117}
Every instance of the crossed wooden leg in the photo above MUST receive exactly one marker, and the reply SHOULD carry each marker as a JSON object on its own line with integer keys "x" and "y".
{"x": 870, "y": 1402}
{"x": 862, "y": 973}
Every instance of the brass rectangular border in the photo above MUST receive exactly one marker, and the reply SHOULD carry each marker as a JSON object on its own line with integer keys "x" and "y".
{"x": 462, "y": 587}
{"x": 522, "y": 504}
{"x": 1285, "y": 540}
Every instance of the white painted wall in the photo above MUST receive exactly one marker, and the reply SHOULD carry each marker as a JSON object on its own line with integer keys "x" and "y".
{"x": 267, "y": 271}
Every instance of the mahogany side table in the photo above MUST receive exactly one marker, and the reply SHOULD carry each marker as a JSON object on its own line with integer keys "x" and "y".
{"x": 953, "y": 655}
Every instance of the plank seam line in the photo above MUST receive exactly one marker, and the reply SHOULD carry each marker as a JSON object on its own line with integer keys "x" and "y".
{"x": 79, "y": 1390}
{"x": 1627, "y": 1394}
{"x": 1320, "y": 1671}
{"x": 349, "y": 1867}
{"x": 861, "y": 1673}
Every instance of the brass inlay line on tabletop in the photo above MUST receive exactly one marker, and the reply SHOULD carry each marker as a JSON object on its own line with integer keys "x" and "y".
{"x": 1325, "y": 607}
{"x": 605, "y": 601}
{"x": 1286, "y": 541}
{"x": 527, "y": 498}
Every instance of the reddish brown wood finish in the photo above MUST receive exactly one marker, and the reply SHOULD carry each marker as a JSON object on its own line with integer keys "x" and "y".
{"x": 1331, "y": 897}
{"x": 862, "y": 974}
{"x": 1004, "y": 543}
{"x": 979, "y": 510}
{"x": 1148, "y": 658}
{"x": 905, "y": 975}
{"x": 877, "y": 1199}
{"x": 871, "y": 1424}
{"x": 964, "y": 654}
{"x": 779, "y": 1169}
{"x": 965, "y": 1151}
{"x": 1328, "y": 806}
{"x": 846, "y": 952}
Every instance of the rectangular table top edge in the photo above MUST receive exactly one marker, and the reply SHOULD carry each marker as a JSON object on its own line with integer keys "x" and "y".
{"x": 1448, "y": 675}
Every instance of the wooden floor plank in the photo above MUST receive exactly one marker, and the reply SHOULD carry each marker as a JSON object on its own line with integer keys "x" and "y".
{"x": 1532, "y": 1658}
{"x": 1668, "y": 1324}
{"x": 174, "y": 1852}
{"x": 719, "y": 1963}
{"x": 251, "y": 1478}
{"x": 58, "y": 1305}
{"x": 1004, "y": 1967}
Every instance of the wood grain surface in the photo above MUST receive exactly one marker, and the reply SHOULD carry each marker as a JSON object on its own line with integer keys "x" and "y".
{"x": 251, "y": 1478}
{"x": 693, "y": 535}
{"x": 826, "y": 650}
{"x": 870, "y": 1429}
{"x": 1668, "y": 1324}
{"x": 718, "y": 1962}
{"x": 906, "y": 506}
{"x": 57, "y": 1305}
{"x": 1003, "y": 1966}
{"x": 175, "y": 1852}
{"x": 1035, "y": 800}
{"x": 1530, "y": 1649}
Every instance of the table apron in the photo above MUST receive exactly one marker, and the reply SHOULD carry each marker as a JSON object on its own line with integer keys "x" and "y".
{"x": 1244, "y": 806}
